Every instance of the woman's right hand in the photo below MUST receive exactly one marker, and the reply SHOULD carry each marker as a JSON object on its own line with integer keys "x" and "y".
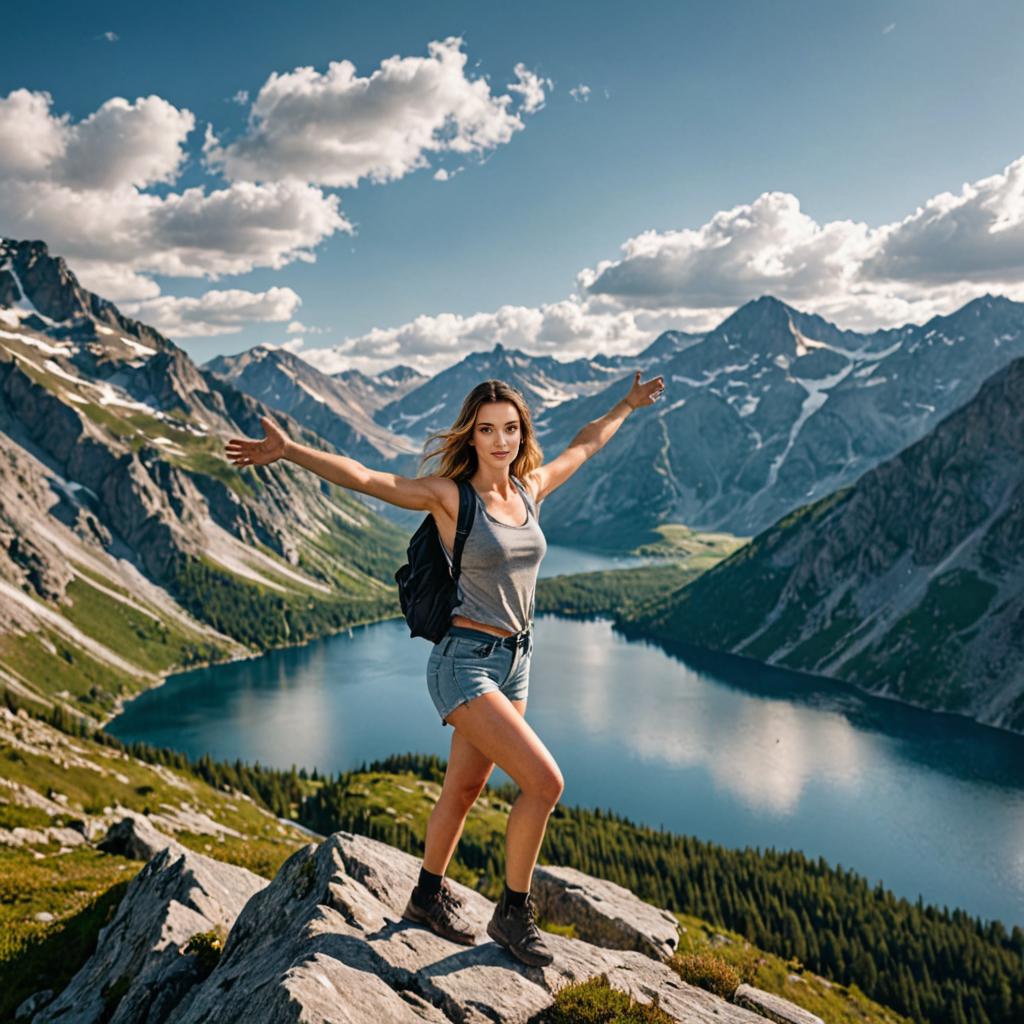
{"x": 243, "y": 452}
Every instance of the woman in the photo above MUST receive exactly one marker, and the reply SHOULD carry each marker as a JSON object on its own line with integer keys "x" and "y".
{"x": 478, "y": 672}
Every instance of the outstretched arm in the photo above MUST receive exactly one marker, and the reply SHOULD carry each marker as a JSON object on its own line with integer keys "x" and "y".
{"x": 423, "y": 493}
{"x": 594, "y": 436}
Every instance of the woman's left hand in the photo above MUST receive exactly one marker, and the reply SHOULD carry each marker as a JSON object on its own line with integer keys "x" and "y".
{"x": 646, "y": 393}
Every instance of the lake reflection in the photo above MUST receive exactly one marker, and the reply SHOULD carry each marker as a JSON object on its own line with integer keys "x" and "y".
{"x": 706, "y": 744}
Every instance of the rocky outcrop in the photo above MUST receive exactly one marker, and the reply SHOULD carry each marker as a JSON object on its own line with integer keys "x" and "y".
{"x": 604, "y": 913}
{"x": 325, "y": 941}
{"x": 140, "y": 970}
{"x": 58, "y": 304}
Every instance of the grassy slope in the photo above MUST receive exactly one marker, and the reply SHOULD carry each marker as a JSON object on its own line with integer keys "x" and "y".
{"x": 836, "y": 1004}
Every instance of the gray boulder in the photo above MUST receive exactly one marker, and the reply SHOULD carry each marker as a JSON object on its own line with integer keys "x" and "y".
{"x": 136, "y": 838}
{"x": 774, "y": 1007}
{"x": 604, "y": 913}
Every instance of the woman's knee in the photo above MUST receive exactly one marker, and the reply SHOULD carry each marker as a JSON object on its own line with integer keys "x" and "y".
{"x": 464, "y": 794}
{"x": 547, "y": 785}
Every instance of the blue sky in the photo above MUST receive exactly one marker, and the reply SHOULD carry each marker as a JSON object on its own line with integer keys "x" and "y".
{"x": 743, "y": 148}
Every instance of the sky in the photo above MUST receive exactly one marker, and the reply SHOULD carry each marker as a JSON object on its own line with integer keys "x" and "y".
{"x": 404, "y": 182}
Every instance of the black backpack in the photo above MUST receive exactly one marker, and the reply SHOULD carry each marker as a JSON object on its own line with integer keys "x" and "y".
{"x": 426, "y": 586}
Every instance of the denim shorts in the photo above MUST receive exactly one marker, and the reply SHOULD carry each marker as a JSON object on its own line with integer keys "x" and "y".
{"x": 467, "y": 662}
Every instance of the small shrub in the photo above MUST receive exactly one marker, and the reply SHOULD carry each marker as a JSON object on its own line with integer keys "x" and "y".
{"x": 207, "y": 948}
{"x": 594, "y": 1001}
{"x": 568, "y": 930}
{"x": 306, "y": 879}
{"x": 707, "y": 971}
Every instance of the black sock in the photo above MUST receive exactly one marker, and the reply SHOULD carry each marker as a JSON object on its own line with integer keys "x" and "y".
{"x": 512, "y": 898}
{"x": 428, "y": 885}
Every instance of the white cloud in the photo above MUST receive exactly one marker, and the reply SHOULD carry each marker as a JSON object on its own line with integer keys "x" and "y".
{"x": 952, "y": 249}
{"x": 743, "y": 252}
{"x": 89, "y": 187}
{"x": 215, "y": 312}
{"x": 295, "y": 327}
{"x": 125, "y": 144}
{"x": 31, "y": 141}
{"x": 565, "y": 329}
{"x": 580, "y": 93}
{"x": 530, "y": 87}
{"x": 335, "y": 128}
{"x": 443, "y": 174}
{"x": 888, "y": 28}
{"x": 120, "y": 145}
{"x": 111, "y": 236}
{"x": 976, "y": 236}
{"x": 80, "y": 186}
{"x": 111, "y": 37}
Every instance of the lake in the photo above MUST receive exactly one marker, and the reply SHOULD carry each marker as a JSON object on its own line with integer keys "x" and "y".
{"x": 710, "y": 745}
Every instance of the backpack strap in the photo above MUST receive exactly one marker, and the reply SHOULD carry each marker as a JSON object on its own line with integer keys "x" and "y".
{"x": 467, "y": 513}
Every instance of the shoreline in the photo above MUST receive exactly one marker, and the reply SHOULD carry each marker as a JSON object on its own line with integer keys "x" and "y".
{"x": 621, "y": 626}
{"x": 121, "y": 701}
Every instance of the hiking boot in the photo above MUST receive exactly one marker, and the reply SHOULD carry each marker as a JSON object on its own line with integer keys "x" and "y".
{"x": 440, "y": 913}
{"x": 516, "y": 930}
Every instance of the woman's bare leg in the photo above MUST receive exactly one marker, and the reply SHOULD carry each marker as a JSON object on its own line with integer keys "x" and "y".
{"x": 493, "y": 725}
{"x": 467, "y": 774}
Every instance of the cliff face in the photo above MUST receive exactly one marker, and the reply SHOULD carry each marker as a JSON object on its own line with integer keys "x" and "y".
{"x": 909, "y": 583}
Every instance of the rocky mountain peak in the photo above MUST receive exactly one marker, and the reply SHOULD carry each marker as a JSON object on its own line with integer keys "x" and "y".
{"x": 401, "y": 373}
{"x": 30, "y": 276}
{"x": 39, "y": 292}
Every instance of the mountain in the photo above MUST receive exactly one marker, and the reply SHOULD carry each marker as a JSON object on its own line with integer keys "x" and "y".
{"x": 664, "y": 346}
{"x": 327, "y": 405}
{"x": 374, "y": 392}
{"x": 543, "y": 380}
{"x": 908, "y": 583}
{"x": 771, "y": 409}
{"x": 128, "y": 544}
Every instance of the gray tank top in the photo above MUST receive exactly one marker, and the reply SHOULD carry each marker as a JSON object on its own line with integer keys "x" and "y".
{"x": 498, "y": 580}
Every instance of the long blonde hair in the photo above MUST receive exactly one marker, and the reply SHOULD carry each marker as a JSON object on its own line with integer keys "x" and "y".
{"x": 458, "y": 456}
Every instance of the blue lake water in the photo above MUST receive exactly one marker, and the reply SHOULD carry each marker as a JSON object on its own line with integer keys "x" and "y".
{"x": 709, "y": 745}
